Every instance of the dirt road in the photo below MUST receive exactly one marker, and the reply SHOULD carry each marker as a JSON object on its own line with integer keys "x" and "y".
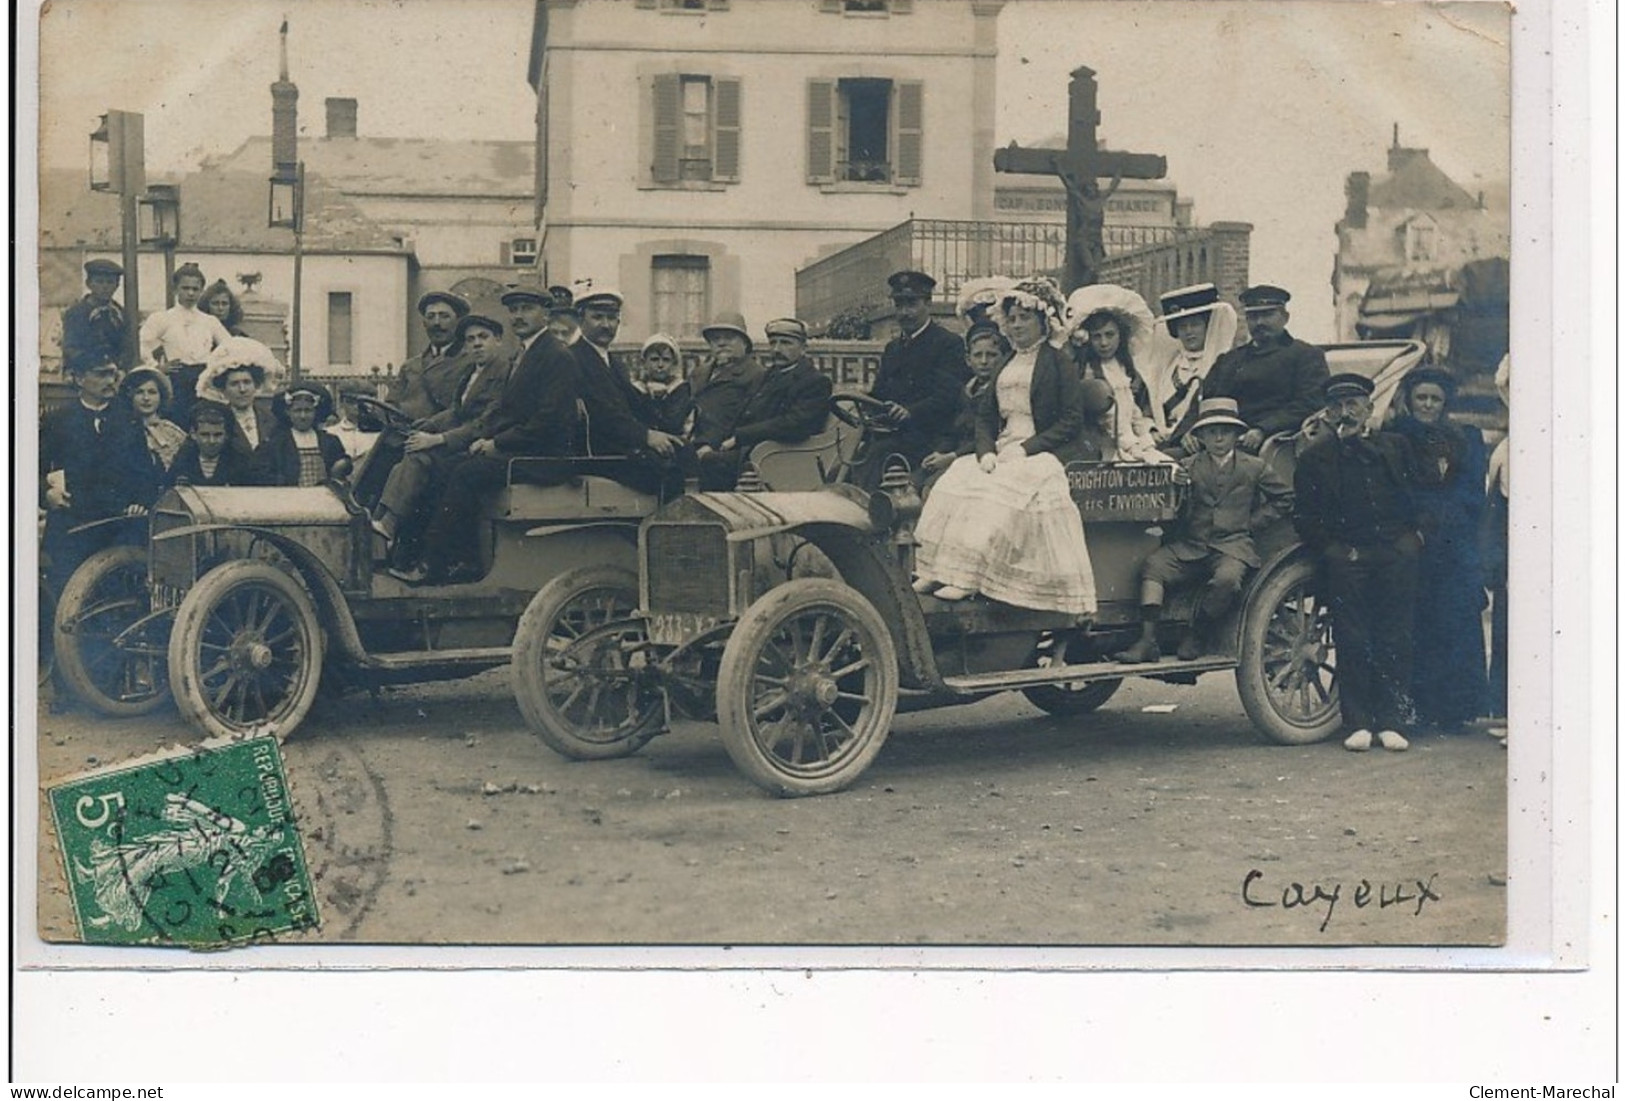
{"x": 432, "y": 816}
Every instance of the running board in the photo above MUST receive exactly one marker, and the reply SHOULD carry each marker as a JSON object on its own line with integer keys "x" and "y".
{"x": 411, "y": 659}
{"x": 978, "y": 683}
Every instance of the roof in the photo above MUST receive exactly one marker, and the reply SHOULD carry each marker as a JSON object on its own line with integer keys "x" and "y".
{"x": 465, "y": 168}
{"x": 219, "y": 209}
{"x": 1414, "y": 182}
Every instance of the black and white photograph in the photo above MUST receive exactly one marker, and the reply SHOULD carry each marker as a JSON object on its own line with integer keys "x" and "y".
{"x": 969, "y": 482}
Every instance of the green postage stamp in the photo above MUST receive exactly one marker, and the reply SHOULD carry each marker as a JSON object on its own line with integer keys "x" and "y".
{"x": 199, "y": 848}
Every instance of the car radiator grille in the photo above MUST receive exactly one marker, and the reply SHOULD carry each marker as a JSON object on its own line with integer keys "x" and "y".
{"x": 688, "y": 569}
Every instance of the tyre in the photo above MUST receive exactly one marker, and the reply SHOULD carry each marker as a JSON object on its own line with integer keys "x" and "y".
{"x": 580, "y": 670}
{"x": 245, "y": 653}
{"x": 1287, "y": 676}
{"x": 105, "y": 596}
{"x": 1069, "y": 700}
{"x": 46, "y": 655}
{"x": 807, "y": 688}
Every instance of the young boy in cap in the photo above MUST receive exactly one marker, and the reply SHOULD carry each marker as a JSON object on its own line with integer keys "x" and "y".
{"x": 1275, "y": 380}
{"x": 298, "y": 453}
{"x": 921, "y": 372}
{"x": 204, "y": 459}
{"x": 93, "y": 327}
{"x": 790, "y": 403}
{"x": 1231, "y": 496}
{"x": 1353, "y": 510}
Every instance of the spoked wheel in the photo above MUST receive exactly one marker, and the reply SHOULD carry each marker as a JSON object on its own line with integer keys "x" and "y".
{"x": 581, "y": 669}
{"x": 1071, "y": 698}
{"x": 807, "y": 688}
{"x": 105, "y": 596}
{"x": 245, "y": 653}
{"x": 46, "y": 655}
{"x": 1287, "y": 677}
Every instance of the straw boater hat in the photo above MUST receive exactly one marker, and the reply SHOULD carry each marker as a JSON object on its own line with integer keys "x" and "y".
{"x": 239, "y": 353}
{"x": 1219, "y": 411}
{"x": 1197, "y": 298}
{"x": 324, "y": 401}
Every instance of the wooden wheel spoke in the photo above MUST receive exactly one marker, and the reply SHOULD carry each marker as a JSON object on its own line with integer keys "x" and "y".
{"x": 765, "y": 707}
{"x": 856, "y": 667}
{"x": 842, "y": 641}
{"x": 813, "y": 653}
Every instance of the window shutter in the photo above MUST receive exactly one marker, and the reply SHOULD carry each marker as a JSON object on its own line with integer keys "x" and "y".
{"x": 507, "y": 253}
{"x": 902, "y": 7}
{"x": 725, "y": 133}
{"x": 820, "y": 131}
{"x": 667, "y": 108}
{"x": 910, "y": 128}
{"x": 833, "y": 6}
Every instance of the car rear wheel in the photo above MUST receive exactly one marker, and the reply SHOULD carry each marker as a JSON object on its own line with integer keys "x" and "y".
{"x": 1072, "y": 698}
{"x": 245, "y": 653}
{"x": 104, "y": 597}
{"x": 1287, "y": 676}
{"x": 807, "y": 688}
{"x": 580, "y": 666}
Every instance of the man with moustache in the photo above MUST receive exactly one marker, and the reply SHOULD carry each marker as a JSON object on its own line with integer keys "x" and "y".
{"x": 619, "y": 416}
{"x": 789, "y": 404}
{"x": 535, "y": 416}
{"x": 1275, "y": 380}
{"x": 921, "y": 372}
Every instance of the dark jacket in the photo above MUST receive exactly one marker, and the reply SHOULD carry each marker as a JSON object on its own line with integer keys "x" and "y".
{"x": 237, "y": 441}
{"x": 1224, "y": 507}
{"x": 618, "y": 414}
{"x": 472, "y": 414}
{"x": 1354, "y": 492}
{"x": 276, "y": 462}
{"x": 231, "y": 470}
{"x": 537, "y": 411}
{"x": 1056, "y": 395}
{"x": 92, "y": 334}
{"x": 719, "y": 398}
{"x": 671, "y": 407}
{"x": 429, "y": 383}
{"x": 107, "y": 469}
{"x": 788, "y": 405}
{"x": 1276, "y": 387}
{"x": 924, "y": 374}
{"x": 960, "y": 438}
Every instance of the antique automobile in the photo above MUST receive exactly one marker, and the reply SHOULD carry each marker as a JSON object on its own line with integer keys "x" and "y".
{"x": 252, "y": 598}
{"x": 788, "y": 618}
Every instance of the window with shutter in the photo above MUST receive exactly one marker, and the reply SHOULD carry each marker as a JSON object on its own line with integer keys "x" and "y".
{"x": 910, "y": 129}
{"x": 663, "y": 165}
{"x": 821, "y": 131}
{"x": 725, "y": 136}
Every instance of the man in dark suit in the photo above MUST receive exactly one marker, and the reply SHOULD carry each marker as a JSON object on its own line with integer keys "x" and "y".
{"x": 93, "y": 327}
{"x": 94, "y": 466}
{"x": 921, "y": 372}
{"x": 535, "y": 416}
{"x": 1355, "y": 513}
{"x": 789, "y": 403}
{"x": 1275, "y": 380}
{"x": 1231, "y": 496}
{"x": 619, "y": 418}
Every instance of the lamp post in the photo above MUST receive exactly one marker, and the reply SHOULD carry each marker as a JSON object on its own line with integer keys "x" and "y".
{"x": 287, "y": 211}
{"x": 118, "y": 166}
{"x": 160, "y": 218}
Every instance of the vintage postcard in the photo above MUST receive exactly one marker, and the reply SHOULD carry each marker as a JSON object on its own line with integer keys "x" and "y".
{"x": 1015, "y": 478}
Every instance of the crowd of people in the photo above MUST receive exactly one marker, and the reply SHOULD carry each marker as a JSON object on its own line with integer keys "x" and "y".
{"x": 986, "y": 423}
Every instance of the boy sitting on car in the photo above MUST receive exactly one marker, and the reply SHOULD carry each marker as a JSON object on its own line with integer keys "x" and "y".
{"x": 1232, "y": 494}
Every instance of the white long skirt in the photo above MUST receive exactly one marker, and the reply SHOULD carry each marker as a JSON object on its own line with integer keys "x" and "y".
{"x": 1014, "y": 535}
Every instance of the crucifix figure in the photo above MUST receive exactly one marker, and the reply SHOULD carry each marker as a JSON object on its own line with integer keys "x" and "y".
{"x": 1083, "y": 163}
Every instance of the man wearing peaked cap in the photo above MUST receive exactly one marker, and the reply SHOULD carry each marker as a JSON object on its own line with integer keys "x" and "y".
{"x": 93, "y": 327}
{"x": 921, "y": 371}
{"x": 1355, "y": 513}
{"x": 789, "y": 404}
{"x": 1275, "y": 379}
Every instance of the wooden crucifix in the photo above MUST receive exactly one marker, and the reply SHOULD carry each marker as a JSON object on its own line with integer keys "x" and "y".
{"x": 1080, "y": 168}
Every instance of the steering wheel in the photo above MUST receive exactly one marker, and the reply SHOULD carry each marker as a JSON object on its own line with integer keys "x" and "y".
{"x": 861, "y": 411}
{"x": 383, "y": 413}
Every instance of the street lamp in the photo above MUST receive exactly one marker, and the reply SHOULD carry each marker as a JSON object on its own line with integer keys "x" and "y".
{"x": 160, "y": 222}
{"x": 118, "y": 166}
{"x": 287, "y": 211}
{"x": 101, "y": 167}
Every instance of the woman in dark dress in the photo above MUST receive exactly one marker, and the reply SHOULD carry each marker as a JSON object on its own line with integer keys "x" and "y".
{"x": 1448, "y": 684}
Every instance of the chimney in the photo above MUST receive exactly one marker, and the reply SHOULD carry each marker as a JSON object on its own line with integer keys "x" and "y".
{"x": 341, "y": 117}
{"x": 1358, "y": 191}
{"x": 284, "y": 118}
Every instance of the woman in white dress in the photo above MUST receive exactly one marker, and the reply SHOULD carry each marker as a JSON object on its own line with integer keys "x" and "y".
{"x": 1002, "y": 522}
{"x": 1110, "y": 329}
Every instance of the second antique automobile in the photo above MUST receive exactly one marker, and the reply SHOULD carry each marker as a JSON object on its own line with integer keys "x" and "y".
{"x": 788, "y": 617}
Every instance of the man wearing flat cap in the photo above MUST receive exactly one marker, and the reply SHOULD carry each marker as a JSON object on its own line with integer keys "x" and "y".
{"x": 789, "y": 404}
{"x": 921, "y": 371}
{"x": 1275, "y": 379}
{"x": 429, "y": 381}
{"x": 1353, "y": 510}
{"x": 93, "y": 327}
